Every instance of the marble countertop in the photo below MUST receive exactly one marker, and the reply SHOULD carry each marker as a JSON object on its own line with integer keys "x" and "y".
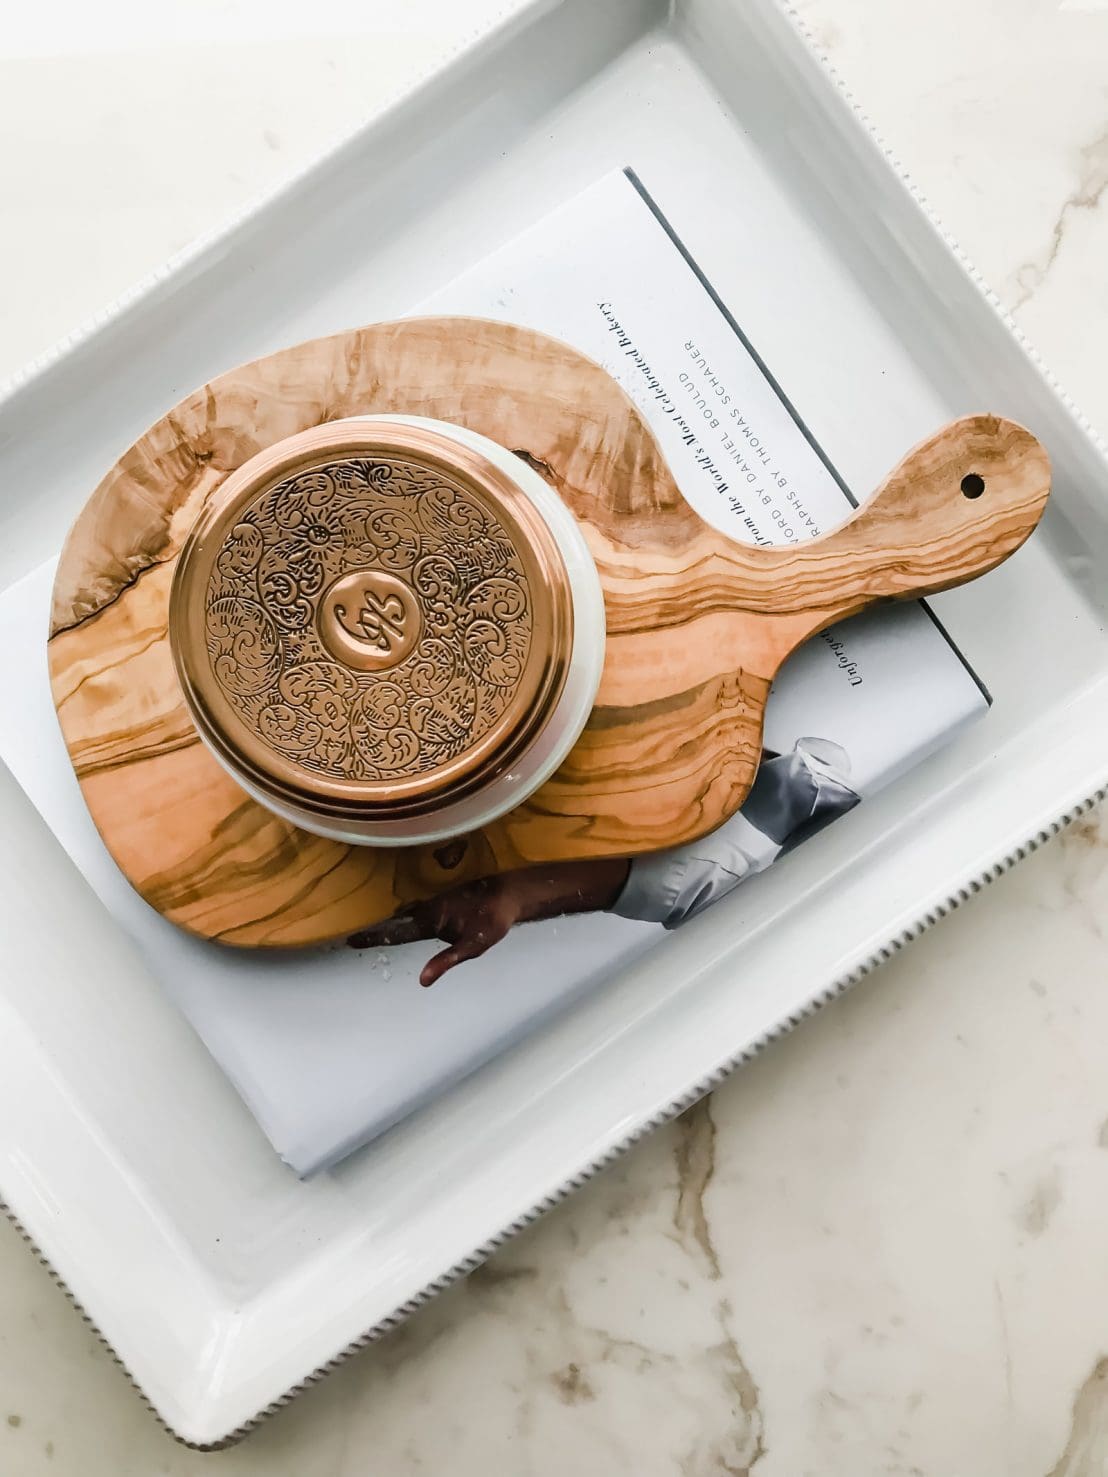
{"x": 881, "y": 1248}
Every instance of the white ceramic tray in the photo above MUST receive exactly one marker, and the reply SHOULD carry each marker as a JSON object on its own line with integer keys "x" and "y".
{"x": 221, "y": 1281}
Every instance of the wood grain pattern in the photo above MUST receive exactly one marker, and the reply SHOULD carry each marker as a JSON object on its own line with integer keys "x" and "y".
{"x": 697, "y": 625}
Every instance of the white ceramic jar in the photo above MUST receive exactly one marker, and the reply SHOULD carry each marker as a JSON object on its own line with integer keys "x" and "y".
{"x": 388, "y": 629}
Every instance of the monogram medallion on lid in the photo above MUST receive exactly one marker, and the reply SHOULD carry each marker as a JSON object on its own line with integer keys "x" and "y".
{"x": 370, "y": 620}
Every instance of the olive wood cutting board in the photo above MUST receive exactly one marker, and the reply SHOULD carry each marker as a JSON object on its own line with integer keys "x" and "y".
{"x": 698, "y": 625}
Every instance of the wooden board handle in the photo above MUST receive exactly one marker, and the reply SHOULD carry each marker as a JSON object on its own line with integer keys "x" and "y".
{"x": 957, "y": 506}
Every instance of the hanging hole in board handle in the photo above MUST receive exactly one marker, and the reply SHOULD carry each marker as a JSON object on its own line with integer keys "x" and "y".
{"x": 973, "y": 485}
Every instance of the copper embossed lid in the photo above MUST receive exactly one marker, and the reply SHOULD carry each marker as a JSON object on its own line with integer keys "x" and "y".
{"x": 373, "y": 620}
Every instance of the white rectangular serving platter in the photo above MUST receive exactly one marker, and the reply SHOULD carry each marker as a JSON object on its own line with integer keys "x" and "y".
{"x": 220, "y": 1280}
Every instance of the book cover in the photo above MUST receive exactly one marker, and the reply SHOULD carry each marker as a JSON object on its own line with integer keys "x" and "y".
{"x": 329, "y": 1049}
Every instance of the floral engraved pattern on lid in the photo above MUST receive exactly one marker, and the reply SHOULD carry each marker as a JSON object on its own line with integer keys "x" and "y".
{"x": 368, "y": 618}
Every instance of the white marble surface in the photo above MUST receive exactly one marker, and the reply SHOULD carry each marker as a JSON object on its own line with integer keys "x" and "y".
{"x": 879, "y": 1250}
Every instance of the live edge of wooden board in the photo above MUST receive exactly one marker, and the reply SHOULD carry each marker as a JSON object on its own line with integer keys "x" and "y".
{"x": 697, "y": 625}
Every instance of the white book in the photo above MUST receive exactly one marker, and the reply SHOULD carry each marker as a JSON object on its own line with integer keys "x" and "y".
{"x": 329, "y": 1049}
